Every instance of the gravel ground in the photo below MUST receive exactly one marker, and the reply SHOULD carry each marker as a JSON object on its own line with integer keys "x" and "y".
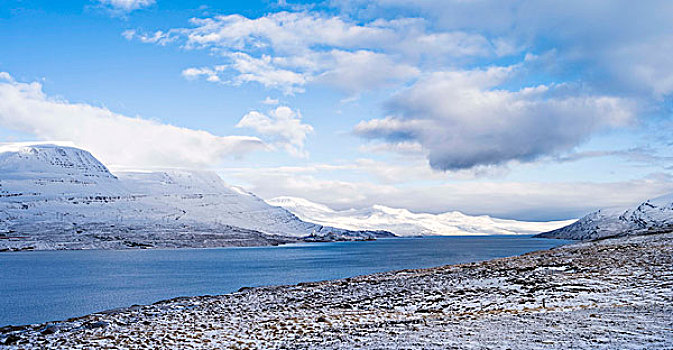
{"x": 615, "y": 293}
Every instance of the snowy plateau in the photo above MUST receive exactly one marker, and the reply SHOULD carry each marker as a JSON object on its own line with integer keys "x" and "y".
{"x": 403, "y": 222}
{"x": 58, "y": 197}
{"x": 649, "y": 217}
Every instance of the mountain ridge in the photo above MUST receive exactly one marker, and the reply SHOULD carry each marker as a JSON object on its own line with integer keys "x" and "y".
{"x": 651, "y": 216}
{"x": 62, "y": 197}
{"x": 406, "y": 223}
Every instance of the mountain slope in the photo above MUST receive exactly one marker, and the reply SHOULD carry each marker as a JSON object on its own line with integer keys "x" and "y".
{"x": 58, "y": 197}
{"x": 651, "y": 216}
{"x": 405, "y": 223}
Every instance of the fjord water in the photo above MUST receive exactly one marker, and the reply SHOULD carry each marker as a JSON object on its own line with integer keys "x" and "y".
{"x": 44, "y": 286}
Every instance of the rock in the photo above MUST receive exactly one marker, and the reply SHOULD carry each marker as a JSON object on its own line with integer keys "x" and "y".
{"x": 11, "y": 339}
{"x": 94, "y": 325}
{"x": 50, "y": 329}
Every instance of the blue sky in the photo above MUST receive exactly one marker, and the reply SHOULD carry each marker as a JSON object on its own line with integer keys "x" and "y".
{"x": 517, "y": 109}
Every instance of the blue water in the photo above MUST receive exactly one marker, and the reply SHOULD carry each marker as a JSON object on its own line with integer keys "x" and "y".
{"x": 53, "y": 285}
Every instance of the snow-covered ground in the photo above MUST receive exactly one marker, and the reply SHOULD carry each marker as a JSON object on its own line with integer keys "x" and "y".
{"x": 59, "y": 197}
{"x": 609, "y": 294}
{"x": 655, "y": 215}
{"x": 402, "y": 222}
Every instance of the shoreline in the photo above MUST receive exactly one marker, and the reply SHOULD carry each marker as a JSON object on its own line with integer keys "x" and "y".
{"x": 361, "y": 258}
{"x": 298, "y": 244}
{"x": 452, "y": 293}
{"x": 279, "y": 241}
{"x": 271, "y": 241}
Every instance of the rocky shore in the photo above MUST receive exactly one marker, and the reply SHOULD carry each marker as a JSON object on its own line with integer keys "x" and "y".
{"x": 614, "y": 293}
{"x": 116, "y": 237}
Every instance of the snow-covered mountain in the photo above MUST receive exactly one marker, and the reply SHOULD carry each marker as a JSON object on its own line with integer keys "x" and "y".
{"x": 58, "y": 197}
{"x": 652, "y": 216}
{"x": 405, "y": 223}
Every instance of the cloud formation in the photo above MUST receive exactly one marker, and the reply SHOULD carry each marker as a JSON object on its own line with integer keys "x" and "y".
{"x": 620, "y": 54}
{"x": 126, "y": 5}
{"x": 463, "y": 119}
{"x": 117, "y": 139}
{"x": 282, "y": 126}
{"x": 440, "y": 63}
{"x": 270, "y": 101}
{"x": 363, "y": 70}
{"x": 620, "y": 45}
{"x": 288, "y": 50}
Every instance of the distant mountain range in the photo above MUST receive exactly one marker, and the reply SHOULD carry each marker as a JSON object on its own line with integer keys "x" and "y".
{"x": 57, "y": 197}
{"x": 652, "y": 216}
{"x": 402, "y": 222}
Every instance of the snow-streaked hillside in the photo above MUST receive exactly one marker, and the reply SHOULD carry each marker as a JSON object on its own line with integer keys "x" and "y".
{"x": 652, "y": 216}
{"x": 58, "y": 197}
{"x": 405, "y": 223}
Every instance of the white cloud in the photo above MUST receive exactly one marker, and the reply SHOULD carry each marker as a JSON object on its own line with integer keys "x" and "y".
{"x": 462, "y": 119}
{"x": 410, "y": 148}
{"x": 282, "y": 125}
{"x": 284, "y": 32}
{"x": 364, "y": 70}
{"x": 270, "y": 101}
{"x": 263, "y": 71}
{"x": 159, "y": 37}
{"x": 117, "y": 139}
{"x": 126, "y": 5}
{"x": 211, "y": 74}
{"x": 643, "y": 65}
{"x": 621, "y": 56}
{"x": 630, "y": 52}
{"x": 351, "y": 72}
{"x": 443, "y": 47}
{"x": 287, "y": 50}
{"x": 298, "y": 33}
{"x": 250, "y": 69}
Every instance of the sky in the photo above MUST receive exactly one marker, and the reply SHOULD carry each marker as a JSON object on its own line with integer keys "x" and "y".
{"x": 530, "y": 110}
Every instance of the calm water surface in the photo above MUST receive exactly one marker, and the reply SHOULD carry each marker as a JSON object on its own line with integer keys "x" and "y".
{"x": 53, "y": 285}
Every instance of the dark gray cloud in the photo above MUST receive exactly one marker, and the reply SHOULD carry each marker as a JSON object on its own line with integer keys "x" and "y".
{"x": 463, "y": 120}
